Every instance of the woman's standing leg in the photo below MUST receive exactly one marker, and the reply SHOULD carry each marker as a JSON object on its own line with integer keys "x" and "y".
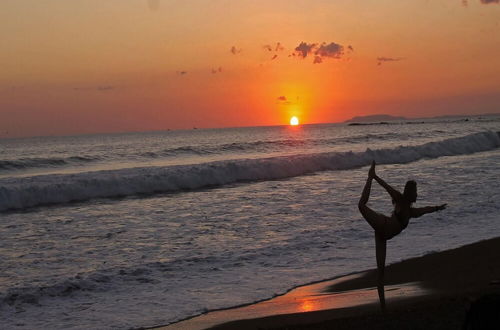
{"x": 380, "y": 250}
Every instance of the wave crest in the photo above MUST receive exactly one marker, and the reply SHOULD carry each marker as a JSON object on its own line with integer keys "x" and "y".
{"x": 21, "y": 193}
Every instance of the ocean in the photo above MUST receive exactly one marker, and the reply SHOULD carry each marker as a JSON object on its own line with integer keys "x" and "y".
{"x": 119, "y": 231}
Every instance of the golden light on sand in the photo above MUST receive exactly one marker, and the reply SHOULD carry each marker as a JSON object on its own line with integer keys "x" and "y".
{"x": 294, "y": 121}
{"x": 307, "y": 306}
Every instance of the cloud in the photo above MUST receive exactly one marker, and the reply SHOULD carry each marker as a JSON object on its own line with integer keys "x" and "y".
{"x": 283, "y": 100}
{"x": 317, "y": 59}
{"x": 382, "y": 59}
{"x": 321, "y": 51}
{"x": 181, "y": 73}
{"x": 274, "y": 48}
{"x": 484, "y": 2}
{"x": 235, "y": 50}
{"x": 278, "y": 47}
{"x": 216, "y": 70}
{"x": 303, "y": 49}
{"x": 103, "y": 88}
{"x": 332, "y": 50}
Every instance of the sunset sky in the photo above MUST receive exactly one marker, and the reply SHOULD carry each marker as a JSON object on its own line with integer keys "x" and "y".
{"x": 86, "y": 66}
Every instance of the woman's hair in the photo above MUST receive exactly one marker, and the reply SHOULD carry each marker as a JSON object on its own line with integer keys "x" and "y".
{"x": 410, "y": 192}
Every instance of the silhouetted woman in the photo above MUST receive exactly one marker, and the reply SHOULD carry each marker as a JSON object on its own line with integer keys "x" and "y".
{"x": 387, "y": 227}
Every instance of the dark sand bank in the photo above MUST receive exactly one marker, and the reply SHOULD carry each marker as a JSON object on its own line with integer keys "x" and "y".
{"x": 434, "y": 291}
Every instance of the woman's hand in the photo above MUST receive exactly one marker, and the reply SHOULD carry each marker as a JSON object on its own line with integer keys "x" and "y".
{"x": 371, "y": 172}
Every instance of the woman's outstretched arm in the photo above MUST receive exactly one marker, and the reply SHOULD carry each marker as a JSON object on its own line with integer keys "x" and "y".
{"x": 416, "y": 212}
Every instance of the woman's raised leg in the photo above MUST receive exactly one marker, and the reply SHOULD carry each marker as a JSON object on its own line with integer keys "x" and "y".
{"x": 376, "y": 220}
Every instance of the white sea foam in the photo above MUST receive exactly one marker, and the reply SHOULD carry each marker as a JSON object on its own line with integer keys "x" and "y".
{"x": 20, "y": 193}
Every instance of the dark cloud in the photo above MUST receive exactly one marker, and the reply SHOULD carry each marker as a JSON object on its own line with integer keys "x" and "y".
{"x": 216, "y": 70}
{"x": 321, "y": 51}
{"x": 235, "y": 50}
{"x": 332, "y": 50}
{"x": 303, "y": 49}
{"x": 382, "y": 59}
{"x": 181, "y": 73}
{"x": 283, "y": 100}
{"x": 278, "y": 47}
{"x": 274, "y": 48}
{"x": 484, "y": 2}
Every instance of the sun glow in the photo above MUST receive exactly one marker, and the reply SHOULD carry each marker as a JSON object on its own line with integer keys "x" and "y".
{"x": 294, "y": 121}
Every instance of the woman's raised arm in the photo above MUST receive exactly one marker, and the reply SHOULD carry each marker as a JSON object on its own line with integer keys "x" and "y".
{"x": 396, "y": 195}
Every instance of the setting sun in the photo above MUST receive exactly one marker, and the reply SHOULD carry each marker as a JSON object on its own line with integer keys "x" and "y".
{"x": 294, "y": 121}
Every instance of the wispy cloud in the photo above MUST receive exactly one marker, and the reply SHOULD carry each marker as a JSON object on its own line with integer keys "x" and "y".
{"x": 274, "y": 48}
{"x": 283, "y": 100}
{"x": 278, "y": 47}
{"x": 216, "y": 70}
{"x": 103, "y": 88}
{"x": 465, "y": 3}
{"x": 383, "y": 59}
{"x": 181, "y": 73}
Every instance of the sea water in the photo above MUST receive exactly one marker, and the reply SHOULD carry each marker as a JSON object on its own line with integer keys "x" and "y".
{"x": 118, "y": 231}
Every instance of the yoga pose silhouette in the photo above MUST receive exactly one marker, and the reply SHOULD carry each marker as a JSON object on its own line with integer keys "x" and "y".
{"x": 387, "y": 227}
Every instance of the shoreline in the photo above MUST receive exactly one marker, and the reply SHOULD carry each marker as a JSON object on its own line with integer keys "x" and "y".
{"x": 417, "y": 289}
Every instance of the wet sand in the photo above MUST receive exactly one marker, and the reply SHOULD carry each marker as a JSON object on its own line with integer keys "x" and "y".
{"x": 430, "y": 292}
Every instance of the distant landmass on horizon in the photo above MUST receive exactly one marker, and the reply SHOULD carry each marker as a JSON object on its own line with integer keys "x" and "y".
{"x": 374, "y": 118}
{"x": 384, "y": 118}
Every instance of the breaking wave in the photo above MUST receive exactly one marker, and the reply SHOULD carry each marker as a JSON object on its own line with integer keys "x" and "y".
{"x": 21, "y": 193}
{"x": 259, "y": 146}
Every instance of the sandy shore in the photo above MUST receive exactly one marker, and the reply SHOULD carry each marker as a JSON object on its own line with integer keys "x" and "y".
{"x": 435, "y": 291}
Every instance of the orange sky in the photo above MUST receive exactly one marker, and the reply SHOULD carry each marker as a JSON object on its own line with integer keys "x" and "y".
{"x": 85, "y": 66}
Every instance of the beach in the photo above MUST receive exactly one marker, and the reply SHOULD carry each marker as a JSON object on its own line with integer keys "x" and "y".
{"x": 434, "y": 291}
